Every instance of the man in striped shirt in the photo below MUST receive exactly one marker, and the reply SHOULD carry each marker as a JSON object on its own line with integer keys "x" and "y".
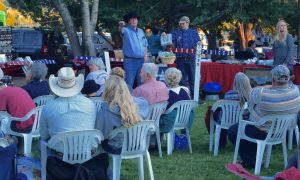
{"x": 280, "y": 98}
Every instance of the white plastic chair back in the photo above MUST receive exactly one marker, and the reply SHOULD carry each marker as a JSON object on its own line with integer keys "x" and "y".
{"x": 36, "y": 113}
{"x": 77, "y": 144}
{"x": 230, "y": 112}
{"x": 135, "y": 138}
{"x": 278, "y": 125}
{"x": 184, "y": 109}
{"x": 135, "y": 145}
{"x": 156, "y": 110}
{"x": 97, "y": 101}
{"x": 230, "y": 115}
{"x": 35, "y": 131}
{"x": 43, "y": 100}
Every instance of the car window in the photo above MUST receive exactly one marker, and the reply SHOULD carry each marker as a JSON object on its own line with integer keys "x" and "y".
{"x": 31, "y": 37}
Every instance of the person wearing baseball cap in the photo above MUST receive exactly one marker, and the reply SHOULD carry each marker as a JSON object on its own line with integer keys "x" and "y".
{"x": 280, "y": 98}
{"x": 186, "y": 38}
{"x": 134, "y": 49}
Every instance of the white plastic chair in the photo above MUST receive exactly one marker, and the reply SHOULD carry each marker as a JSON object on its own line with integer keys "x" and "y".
{"x": 231, "y": 111}
{"x": 291, "y": 129}
{"x": 155, "y": 111}
{"x": 34, "y": 133}
{"x": 97, "y": 101}
{"x": 277, "y": 134}
{"x": 184, "y": 109}
{"x": 135, "y": 145}
{"x": 43, "y": 100}
{"x": 77, "y": 146}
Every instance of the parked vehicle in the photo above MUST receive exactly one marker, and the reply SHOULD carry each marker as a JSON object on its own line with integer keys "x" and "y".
{"x": 100, "y": 44}
{"x": 36, "y": 42}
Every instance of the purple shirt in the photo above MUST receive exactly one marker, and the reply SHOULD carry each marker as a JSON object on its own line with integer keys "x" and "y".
{"x": 153, "y": 91}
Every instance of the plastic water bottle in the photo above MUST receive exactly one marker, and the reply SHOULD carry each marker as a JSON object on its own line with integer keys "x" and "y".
{"x": 161, "y": 76}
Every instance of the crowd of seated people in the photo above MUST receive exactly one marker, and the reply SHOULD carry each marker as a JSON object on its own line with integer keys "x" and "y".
{"x": 72, "y": 110}
{"x": 279, "y": 98}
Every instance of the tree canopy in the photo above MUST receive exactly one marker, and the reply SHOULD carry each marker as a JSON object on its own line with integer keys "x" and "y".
{"x": 213, "y": 16}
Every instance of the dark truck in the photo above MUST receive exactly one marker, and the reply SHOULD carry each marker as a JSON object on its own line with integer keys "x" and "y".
{"x": 36, "y": 42}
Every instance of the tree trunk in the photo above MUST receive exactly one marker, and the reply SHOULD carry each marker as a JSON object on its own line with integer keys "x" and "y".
{"x": 248, "y": 33}
{"x": 69, "y": 25}
{"x": 94, "y": 15}
{"x": 211, "y": 38}
{"x": 87, "y": 42}
{"x": 241, "y": 32}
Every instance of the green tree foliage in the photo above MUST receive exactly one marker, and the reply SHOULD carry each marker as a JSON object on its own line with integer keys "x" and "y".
{"x": 209, "y": 15}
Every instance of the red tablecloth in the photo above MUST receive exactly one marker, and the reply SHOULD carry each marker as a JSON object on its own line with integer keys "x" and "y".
{"x": 224, "y": 73}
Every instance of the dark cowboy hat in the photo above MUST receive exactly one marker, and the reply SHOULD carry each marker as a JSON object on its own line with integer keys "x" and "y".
{"x": 90, "y": 86}
{"x": 130, "y": 15}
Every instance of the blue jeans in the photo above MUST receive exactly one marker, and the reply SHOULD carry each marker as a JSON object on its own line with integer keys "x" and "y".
{"x": 187, "y": 68}
{"x": 132, "y": 69}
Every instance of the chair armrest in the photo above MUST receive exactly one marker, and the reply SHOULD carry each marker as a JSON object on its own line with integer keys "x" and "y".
{"x": 247, "y": 122}
{"x": 18, "y": 119}
{"x": 168, "y": 111}
{"x": 114, "y": 132}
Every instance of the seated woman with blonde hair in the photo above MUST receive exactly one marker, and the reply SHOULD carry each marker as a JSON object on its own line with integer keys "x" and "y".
{"x": 118, "y": 109}
{"x": 118, "y": 71}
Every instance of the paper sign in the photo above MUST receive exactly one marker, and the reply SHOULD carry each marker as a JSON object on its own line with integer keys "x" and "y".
{"x": 166, "y": 40}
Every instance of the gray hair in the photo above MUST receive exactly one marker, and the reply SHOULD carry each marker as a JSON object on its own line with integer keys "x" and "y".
{"x": 173, "y": 76}
{"x": 38, "y": 71}
{"x": 281, "y": 74}
{"x": 151, "y": 69}
{"x": 98, "y": 62}
{"x": 243, "y": 87}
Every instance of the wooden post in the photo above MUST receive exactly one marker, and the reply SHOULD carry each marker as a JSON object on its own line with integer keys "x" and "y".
{"x": 107, "y": 62}
{"x": 197, "y": 72}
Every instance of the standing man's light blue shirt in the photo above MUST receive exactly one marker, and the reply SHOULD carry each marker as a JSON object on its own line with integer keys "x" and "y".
{"x": 134, "y": 43}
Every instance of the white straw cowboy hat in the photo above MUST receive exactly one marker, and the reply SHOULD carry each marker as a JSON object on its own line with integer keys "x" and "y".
{"x": 66, "y": 84}
{"x": 1, "y": 74}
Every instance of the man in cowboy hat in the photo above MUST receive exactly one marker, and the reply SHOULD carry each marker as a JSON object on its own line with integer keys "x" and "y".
{"x": 134, "y": 49}
{"x": 70, "y": 111}
{"x": 17, "y": 102}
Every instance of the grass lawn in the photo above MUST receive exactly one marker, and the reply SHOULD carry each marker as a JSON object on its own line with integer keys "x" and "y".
{"x": 201, "y": 164}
